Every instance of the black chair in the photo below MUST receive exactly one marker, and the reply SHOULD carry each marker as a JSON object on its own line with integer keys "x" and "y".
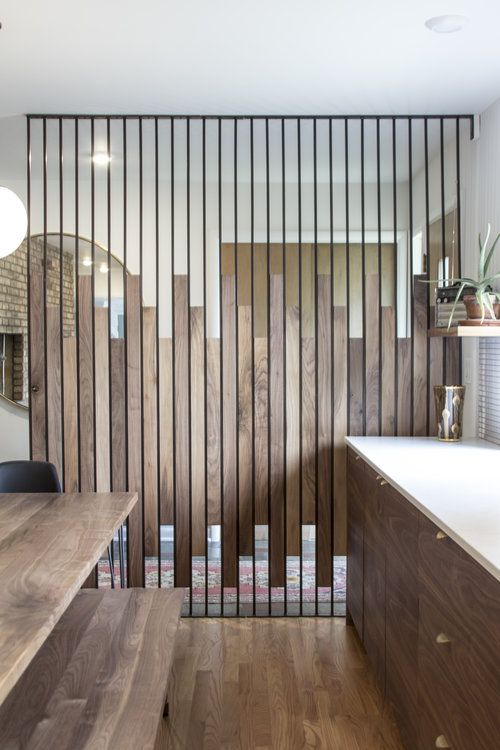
{"x": 36, "y": 476}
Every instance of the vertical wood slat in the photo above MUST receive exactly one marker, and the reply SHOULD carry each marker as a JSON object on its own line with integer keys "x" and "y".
{"x": 292, "y": 430}
{"x": 213, "y": 432}
{"x": 340, "y": 427}
{"x": 198, "y": 530}
{"x": 404, "y": 386}
{"x": 277, "y": 520}
{"x": 261, "y": 434}
{"x": 149, "y": 417}
{"x": 70, "y": 415}
{"x": 308, "y": 431}
{"x": 86, "y": 376}
{"x": 181, "y": 432}
{"x": 245, "y": 429}
{"x": 372, "y": 354}
{"x": 54, "y": 405}
{"x": 229, "y": 432}
{"x": 324, "y": 530}
{"x": 118, "y": 442}
{"x": 166, "y": 433}
{"x": 388, "y": 369}
{"x": 420, "y": 292}
{"x": 134, "y": 406}
{"x": 356, "y": 386}
{"x": 102, "y": 453}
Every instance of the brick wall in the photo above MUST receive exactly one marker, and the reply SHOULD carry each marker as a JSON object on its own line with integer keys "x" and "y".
{"x": 14, "y": 301}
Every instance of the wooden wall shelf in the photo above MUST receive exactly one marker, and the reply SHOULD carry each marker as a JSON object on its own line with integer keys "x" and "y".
{"x": 468, "y": 331}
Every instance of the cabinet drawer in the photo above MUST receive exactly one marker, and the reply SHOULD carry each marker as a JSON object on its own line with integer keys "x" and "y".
{"x": 445, "y": 670}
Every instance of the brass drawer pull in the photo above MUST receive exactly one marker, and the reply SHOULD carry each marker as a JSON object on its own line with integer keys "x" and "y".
{"x": 441, "y": 741}
{"x": 441, "y": 535}
{"x": 356, "y": 458}
{"x": 442, "y": 638}
{"x": 383, "y": 482}
{"x": 378, "y": 477}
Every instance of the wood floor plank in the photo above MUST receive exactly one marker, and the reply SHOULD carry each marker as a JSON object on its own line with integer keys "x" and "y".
{"x": 275, "y": 683}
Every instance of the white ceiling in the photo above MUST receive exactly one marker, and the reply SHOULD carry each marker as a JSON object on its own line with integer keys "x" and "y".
{"x": 253, "y": 57}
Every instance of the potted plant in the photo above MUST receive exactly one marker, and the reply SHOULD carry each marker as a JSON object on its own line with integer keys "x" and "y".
{"x": 484, "y": 304}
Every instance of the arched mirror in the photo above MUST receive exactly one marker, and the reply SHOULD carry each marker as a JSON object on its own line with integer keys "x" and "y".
{"x": 75, "y": 252}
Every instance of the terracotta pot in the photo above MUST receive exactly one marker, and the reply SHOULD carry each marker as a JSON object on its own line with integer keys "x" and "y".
{"x": 474, "y": 310}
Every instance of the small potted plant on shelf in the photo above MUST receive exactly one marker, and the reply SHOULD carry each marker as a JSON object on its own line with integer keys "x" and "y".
{"x": 483, "y": 306}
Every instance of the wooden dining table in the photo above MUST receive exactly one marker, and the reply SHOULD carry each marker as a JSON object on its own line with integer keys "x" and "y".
{"x": 49, "y": 543}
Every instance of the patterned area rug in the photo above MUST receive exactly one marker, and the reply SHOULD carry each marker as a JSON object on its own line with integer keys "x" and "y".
{"x": 293, "y": 580}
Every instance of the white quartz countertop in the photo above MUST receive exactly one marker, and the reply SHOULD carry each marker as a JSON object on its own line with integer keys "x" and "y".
{"x": 456, "y": 485}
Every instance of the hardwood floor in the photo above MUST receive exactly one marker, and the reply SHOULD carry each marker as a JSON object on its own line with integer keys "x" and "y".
{"x": 279, "y": 684}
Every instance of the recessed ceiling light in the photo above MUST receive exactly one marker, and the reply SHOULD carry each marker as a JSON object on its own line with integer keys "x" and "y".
{"x": 103, "y": 268}
{"x": 101, "y": 159}
{"x": 87, "y": 262}
{"x": 446, "y": 24}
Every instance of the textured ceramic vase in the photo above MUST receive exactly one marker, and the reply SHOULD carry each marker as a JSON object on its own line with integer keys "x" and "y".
{"x": 449, "y": 400}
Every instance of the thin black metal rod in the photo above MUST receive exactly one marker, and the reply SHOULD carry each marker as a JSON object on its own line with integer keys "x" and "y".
{"x": 77, "y": 305}
{"x": 316, "y": 362}
{"x": 157, "y": 345}
{"x": 29, "y": 282}
{"x": 285, "y": 468}
{"x": 332, "y": 369}
{"x": 110, "y": 382}
{"x": 61, "y": 300}
{"x": 363, "y": 268}
{"x": 412, "y": 279}
{"x": 125, "y": 324}
{"x": 252, "y": 295}
{"x": 94, "y": 395}
{"x": 348, "y": 273}
{"x": 443, "y": 231}
{"x": 269, "y": 390}
{"x": 459, "y": 230}
{"x": 301, "y": 416}
{"x": 45, "y": 348}
{"x": 174, "y": 410}
{"x": 236, "y": 321}
{"x": 190, "y": 410}
{"x": 428, "y": 247}
{"x": 221, "y": 363}
{"x": 141, "y": 334}
{"x": 379, "y": 248}
{"x": 205, "y": 369}
{"x": 395, "y": 262}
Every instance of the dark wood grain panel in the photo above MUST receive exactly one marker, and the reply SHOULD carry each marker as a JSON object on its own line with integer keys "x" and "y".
{"x": 182, "y": 559}
{"x": 150, "y": 432}
{"x": 404, "y": 386}
{"x": 37, "y": 364}
{"x": 372, "y": 378}
{"x": 261, "y": 430}
{"x": 70, "y": 415}
{"x": 134, "y": 406}
{"x": 213, "y": 432}
{"x": 420, "y": 338}
{"x": 165, "y": 373}
{"x": 229, "y": 429}
{"x": 355, "y": 540}
{"x": 388, "y": 370}
{"x": 245, "y": 429}
{"x": 277, "y": 478}
{"x": 356, "y": 386}
{"x": 402, "y": 611}
{"x": 292, "y": 430}
{"x": 54, "y": 406}
{"x": 118, "y": 406}
{"x": 340, "y": 428}
{"x": 198, "y": 472}
{"x": 308, "y": 431}
{"x": 453, "y": 354}
{"x": 86, "y": 375}
{"x": 102, "y": 454}
{"x": 325, "y": 454}
{"x": 374, "y": 582}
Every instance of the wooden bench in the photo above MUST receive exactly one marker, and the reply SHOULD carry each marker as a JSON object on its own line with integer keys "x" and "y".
{"x": 100, "y": 679}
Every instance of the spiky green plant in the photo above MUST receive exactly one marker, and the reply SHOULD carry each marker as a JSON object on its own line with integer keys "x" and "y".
{"x": 482, "y": 284}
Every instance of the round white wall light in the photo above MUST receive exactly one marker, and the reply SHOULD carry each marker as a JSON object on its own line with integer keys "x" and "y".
{"x": 448, "y": 24}
{"x": 101, "y": 159}
{"x": 13, "y": 221}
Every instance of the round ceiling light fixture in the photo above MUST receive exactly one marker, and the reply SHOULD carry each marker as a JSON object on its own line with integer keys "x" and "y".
{"x": 101, "y": 159}
{"x": 13, "y": 221}
{"x": 448, "y": 24}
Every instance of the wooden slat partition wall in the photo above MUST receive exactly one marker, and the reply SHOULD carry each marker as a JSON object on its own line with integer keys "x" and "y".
{"x": 225, "y": 397}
